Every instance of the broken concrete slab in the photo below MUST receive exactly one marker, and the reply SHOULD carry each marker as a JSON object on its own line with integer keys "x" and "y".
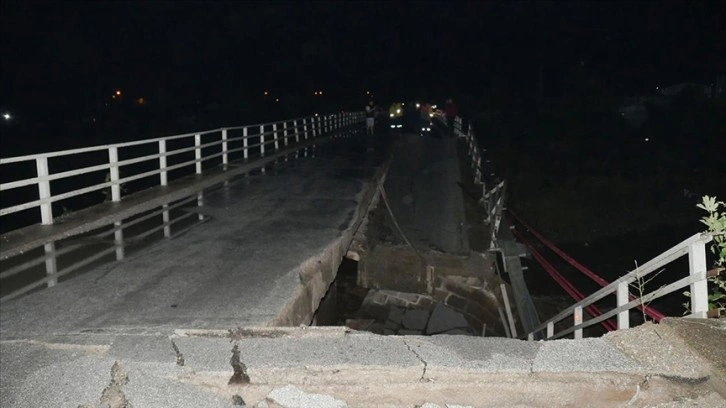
{"x": 659, "y": 348}
{"x": 291, "y": 396}
{"x": 444, "y": 353}
{"x": 395, "y": 315}
{"x": 707, "y": 337}
{"x": 415, "y": 319}
{"x": 335, "y": 362}
{"x": 444, "y": 318}
{"x": 586, "y": 355}
{"x": 353, "y": 354}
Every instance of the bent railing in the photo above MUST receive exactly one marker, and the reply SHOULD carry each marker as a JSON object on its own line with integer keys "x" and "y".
{"x": 493, "y": 197}
{"x": 694, "y": 247}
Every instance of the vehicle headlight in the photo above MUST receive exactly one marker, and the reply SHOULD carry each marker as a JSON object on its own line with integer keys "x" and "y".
{"x": 398, "y": 111}
{"x": 391, "y": 115}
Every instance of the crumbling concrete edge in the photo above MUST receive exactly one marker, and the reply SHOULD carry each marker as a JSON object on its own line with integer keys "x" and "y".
{"x": 318, "y": 272}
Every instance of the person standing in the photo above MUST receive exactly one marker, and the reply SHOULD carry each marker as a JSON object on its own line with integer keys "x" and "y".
{"x": 370, "y": 117}
{"x": 451, "y": 111}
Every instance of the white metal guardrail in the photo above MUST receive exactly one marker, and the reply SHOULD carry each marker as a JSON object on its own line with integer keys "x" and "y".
{"x": 199, "y": 151}
{"x": 241, "y": 142}
{"x": 694, "y": 247}
{"x": 492, "y": 198}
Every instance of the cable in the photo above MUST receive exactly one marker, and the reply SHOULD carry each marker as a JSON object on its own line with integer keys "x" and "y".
{"x": 653, "y": 313}
{"x": 562, "y": 281}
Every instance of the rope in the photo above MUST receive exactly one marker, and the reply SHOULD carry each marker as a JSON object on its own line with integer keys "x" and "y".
{"x": 566, "y": 285}
{"x": 654, "y": 314}
{"x": 398, "y": 227}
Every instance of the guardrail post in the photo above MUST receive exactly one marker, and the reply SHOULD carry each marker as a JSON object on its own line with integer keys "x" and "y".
{"x": 46, "y": 208}
{"x": 115, "y": 175}
{"x": 274, "y": 136}
{"x": 623, "y": 297}
{"x": 198, "y": 152}
{"x": 699, "y": 289}
{"x": 200, "y": 203}
{"x": 162, "y": 162}
{"x": 225, "y": 158}
{"x": 262, "y": 140}
{"x": 305, "y": 127}
{"x": 165, "y": 218}
{"x": 577, "y": 320}
{"x": 297, "y": 134}
{"x": 550, "y": 329}
{"x": 118, "y": 239}
{"x": 245, "y": 142}
{"x": 51, "y": 264}
{"x": 284, "y": 133}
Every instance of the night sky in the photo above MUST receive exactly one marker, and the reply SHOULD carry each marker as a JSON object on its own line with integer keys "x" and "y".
{"x": 70, "y": 55}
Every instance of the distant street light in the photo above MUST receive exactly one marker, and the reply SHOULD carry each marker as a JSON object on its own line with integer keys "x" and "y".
{"x": 7, "y": 116}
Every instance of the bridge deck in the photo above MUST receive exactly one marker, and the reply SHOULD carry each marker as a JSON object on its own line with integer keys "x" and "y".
{"x": 268, "y": 241}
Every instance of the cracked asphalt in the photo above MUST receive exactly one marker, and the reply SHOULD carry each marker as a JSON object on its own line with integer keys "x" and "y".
{"x": 341, "y": 364}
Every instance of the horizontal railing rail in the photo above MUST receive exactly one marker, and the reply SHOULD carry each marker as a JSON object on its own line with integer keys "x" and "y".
{"x": 216, "y": 145}
{"x": 694, "y": 247}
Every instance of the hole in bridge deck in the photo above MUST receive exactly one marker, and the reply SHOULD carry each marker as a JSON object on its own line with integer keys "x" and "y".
{"x": 388, "y": 312}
